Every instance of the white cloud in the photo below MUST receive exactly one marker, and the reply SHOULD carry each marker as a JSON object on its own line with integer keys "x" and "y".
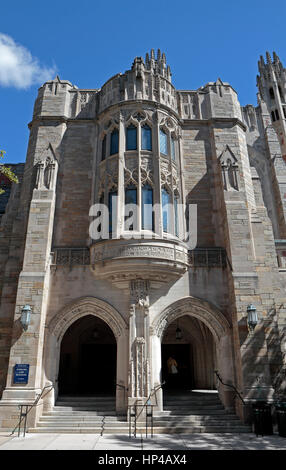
{"x": 17, "y": 66}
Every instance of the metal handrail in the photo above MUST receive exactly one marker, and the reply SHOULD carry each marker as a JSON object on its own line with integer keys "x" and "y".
{"x": 229, "y": 385}
{"x": 145, "y": 405}
{"x": 25, "y": 414}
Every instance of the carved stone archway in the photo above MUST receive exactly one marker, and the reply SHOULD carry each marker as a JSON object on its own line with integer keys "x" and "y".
{"x": 214, "y": 320}
{"x": 201, "y": 309}
{"x": 59, "y": 324}
{"x": 87, "y": 306}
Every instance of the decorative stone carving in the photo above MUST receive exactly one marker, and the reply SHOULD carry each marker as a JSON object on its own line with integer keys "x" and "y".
{"x": 229, "y": 168}
{"x": 208, "y": 314}
{"x": 86, "y": 306}
{"x": 139, "y": 293}
{"x": 47, "y": 171}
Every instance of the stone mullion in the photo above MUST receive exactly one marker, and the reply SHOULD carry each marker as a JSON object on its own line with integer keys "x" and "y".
{"x": 139, "y": 187}
{"x": 121, "y": 186}
{"x": 172, "y": 211}
{"x": 157, "y": 178}
{"x": 182, "y": 195}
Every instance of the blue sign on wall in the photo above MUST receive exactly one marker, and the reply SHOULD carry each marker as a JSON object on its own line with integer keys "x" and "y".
{"x": 21, "y": 373}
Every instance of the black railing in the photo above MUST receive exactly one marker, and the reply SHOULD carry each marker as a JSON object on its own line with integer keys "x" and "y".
{"x": 25, "y": 410}
{"x": 209, "y": 257}
{"x": 229, "y": 385}
{"x": 148, "y": 408}
{"x": 70, "y": 256}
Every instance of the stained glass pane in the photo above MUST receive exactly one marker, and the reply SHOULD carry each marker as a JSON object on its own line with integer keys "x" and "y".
{"x": 146, "y": 138}
{"x": 147, "y": 208}
{"x": 163, "y": 142}
{"x": 131, "y": 138}
{"x": 114, "y": 138}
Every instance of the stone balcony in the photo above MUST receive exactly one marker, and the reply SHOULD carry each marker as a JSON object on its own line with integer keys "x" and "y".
{"x": 120, "y": 260}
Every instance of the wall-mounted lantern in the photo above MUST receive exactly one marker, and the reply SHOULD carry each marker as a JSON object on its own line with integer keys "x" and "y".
{"x": 252, "y": 318}
{"x": 25, "y": 316}
{"x": 178, "y": 332}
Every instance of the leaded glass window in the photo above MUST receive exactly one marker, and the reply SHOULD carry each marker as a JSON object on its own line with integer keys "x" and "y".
{"x": 103, "y": 148}
{"x": 114, "y": 141}
{"x": 173, "y": 149}
{"x": 176, "y": 216}
{"x": 146, "y": 138}
{"x": 147, "y": 208}
{"x": 166, "y": 199}
{"x": 112, "y": 209}
{"x": 131, "y": 138}
{"x": 163, "y": 142}
{"x": 131, "y": 198}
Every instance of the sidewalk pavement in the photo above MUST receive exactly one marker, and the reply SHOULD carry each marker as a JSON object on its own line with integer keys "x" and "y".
{"x": 158, "y": 442}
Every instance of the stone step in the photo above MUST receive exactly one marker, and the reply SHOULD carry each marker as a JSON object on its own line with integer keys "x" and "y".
{"x": 70, "y": 412}
{"x": 156, "y": 430}
{"x": 82, "y": 424}
{"x": 79, "y": 419}
{"x": 193, "y": 408}
{"x": 85, "y": 408}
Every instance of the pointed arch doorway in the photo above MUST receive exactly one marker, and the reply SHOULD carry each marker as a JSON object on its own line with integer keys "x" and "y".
{"x": 190, "y": 344}
{"x": 88, "y": 358}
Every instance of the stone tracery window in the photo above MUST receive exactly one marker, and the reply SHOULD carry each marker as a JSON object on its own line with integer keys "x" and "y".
{"x": 112, "y": 209}
{"x": 131, "y": 137}
{"x": 166, "y": 214}
{"x": 103, "y": 148}
{"x": 114, "y": 142}
{"x": 173, "y": 148}
{"x": 146, "y": 137}
{"x": 147, "y": 215}
{"x": 163, "y": 142}
{"x": 130, "y": 198}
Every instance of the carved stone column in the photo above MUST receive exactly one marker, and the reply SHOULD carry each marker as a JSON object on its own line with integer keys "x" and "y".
{"x": 139, "y": 371}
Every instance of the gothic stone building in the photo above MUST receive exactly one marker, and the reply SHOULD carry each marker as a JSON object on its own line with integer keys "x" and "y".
{"x": 107, "y": 312}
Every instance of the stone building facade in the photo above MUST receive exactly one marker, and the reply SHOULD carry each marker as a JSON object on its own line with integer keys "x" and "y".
{"x": 109, "y": 298}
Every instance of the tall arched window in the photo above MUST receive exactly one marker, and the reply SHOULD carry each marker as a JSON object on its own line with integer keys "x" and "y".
{"x": 166, "y": 213}
{"x": 146, "y": 137}
{"x": 131, "y": 138}
{"x": 147, "y": 215}
{"x": 173, "y": 148}
{"x": 112, "y": 210}
{"x": 114, "y": 141}
{"x": 176, "y": 199}
{"x": 103, "y": 148}
{"x": 131, "y": 198}
{"x": 163, "y": 142}
{"x": 271, "y": 93}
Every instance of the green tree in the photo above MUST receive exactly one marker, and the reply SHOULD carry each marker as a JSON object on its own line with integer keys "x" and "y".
{"x": 7, "y": 172}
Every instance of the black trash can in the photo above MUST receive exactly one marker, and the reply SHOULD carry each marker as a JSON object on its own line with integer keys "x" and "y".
{"x": 281, "y": 418}
{"x": 262, "y": 418}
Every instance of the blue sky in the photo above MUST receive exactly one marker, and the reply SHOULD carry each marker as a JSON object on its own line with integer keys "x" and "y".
{"x": 87, "y": 42}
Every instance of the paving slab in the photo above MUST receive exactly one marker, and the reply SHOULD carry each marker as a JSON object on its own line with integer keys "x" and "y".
{"x": 158, "y": 442}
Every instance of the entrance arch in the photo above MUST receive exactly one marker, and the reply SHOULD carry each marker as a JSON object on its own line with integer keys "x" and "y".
{"x": 208, "y": 318}
{"x": 108, "y": 319}
{"x": 88, "y": 358}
